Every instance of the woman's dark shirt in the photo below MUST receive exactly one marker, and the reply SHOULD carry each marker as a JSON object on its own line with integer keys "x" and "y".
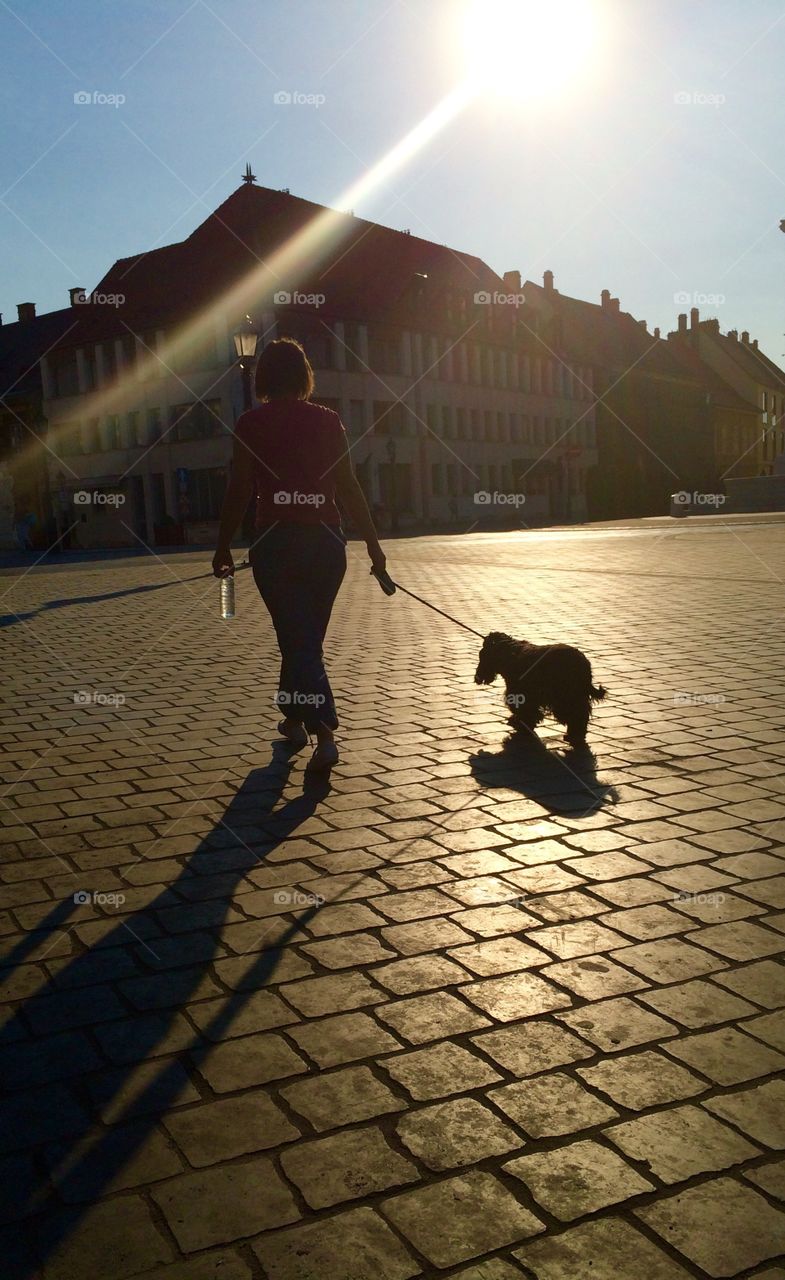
{"x": 295, "y": 446}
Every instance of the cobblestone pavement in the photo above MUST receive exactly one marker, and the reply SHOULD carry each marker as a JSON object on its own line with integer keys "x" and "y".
{"x": 471, "y": 1011}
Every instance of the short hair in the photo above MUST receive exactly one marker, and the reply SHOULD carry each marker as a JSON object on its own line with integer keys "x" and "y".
{"x": 283, "y": 369}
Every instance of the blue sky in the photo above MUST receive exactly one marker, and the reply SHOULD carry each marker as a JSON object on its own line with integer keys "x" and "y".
{"x": 611, "y": 183}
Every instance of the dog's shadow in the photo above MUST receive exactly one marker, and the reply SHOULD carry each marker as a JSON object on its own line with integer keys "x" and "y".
{"x": 562, "y": 781}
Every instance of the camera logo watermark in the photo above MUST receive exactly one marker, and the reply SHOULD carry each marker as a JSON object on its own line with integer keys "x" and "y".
{"x": 283, "y": 498}
{"x": 295, "y": 98}
{"x": 84, "y": 897}
{"x": 484, "y": 298}
{"x": 84, "y": 497}
{"x": 695, "y": 98}
{"x": 695, "y": 299}
{"x": 94, "y": 98}
{"x": 90, "y": 697}
{"x": 283, "y": 298}
{"x": 294, "y": 898}
{"x": 81, "y": 299}
{"x": 285, "y": 699}
{"x": 483, "y": 498}
{"x": 695, "y": 499}
{"x": 684, "y": 699}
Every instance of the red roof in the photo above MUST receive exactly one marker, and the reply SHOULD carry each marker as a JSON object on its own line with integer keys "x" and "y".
{"x": 369, "y": 274}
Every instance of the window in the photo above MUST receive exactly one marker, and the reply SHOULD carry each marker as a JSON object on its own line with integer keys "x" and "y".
{"x": 476, "y": 424}
{"x": 132, "y": 427}
{"x": 437, "y": 480}
{"x": 351, "y": 337}
{"x": 430, "y": 417}
{"x": 67, "y": 438}
{"x": 460, "y": 423}
{"x": 128, "y": 347}
{"x": 92, "y": 436}
{"x": 154, "y": 425}
{"x": 88, "y": 368}
{"x": 205, "y": 493}
{"x": 65, "y": 377}
{"x": 357, "y": 416}
{"x": 501, "y": 433}
{"x": 110, "y": 360}
{"x": 384, "y": 355}
{"x": 113, "y": 431}
{"x": 488, "y": 424}
{"x": 452, "y": 479}
{"x": 199, "y": 420}
{"x": 447, "y": 421}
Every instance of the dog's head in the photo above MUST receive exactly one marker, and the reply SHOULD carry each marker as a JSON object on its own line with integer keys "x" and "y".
{"x": 491, "y": 663}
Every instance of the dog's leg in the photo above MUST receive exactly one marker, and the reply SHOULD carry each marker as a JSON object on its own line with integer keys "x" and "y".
{"x": 577, "y": 724}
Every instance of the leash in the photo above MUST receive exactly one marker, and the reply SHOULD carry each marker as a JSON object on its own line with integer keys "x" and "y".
{"x": 389, "y": 587}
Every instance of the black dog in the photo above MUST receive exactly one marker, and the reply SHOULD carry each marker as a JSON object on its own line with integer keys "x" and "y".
{"x": 540, "y": 678}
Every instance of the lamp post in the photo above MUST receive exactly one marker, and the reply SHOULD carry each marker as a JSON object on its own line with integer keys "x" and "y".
{"x": 245, "y": 340}
{"x": 392, "y": 454}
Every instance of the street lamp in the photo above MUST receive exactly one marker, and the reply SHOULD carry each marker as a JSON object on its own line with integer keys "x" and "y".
{"x": 245, "y": 340}
{"x": 392, "y": 454}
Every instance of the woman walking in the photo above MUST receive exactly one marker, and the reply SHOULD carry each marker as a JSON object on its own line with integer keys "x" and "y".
{"x": 293, "y": 456}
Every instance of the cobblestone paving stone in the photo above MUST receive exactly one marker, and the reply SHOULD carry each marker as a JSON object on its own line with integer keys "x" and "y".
{"x": 468, "y": 1010}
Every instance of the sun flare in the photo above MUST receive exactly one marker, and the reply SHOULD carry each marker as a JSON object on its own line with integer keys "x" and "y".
{"x": 531, "y": 49}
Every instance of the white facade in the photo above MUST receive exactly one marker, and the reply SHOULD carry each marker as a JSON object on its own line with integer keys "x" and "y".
{"x": 471, "y": 418}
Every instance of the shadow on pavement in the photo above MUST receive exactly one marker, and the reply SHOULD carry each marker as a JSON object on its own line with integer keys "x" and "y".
{"x": 10, "y": 619}
{"x": 58, "y": 1151}
{"x": 561, "y": 781}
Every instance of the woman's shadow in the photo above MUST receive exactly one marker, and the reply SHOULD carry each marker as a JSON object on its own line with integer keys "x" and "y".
{"x": 563, "y": 782}
{"x": 58, "y": 1158}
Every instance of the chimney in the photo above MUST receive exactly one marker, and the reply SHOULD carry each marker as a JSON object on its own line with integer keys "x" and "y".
{"x": 25, "y": 311}
{"x": 643, "y": 324}
{"x": 683, "y": 322}
{"x": 755, "y": 343}
{"x": 614, "y": 305}
{"x": 547, "y": 280}
{"x": 512, "y": 279}
{"x": 733, "y": 333}
{"x": 605, "y": 299}
{"x": 745, "y": 337}
{"x": 694, "y": 318}
{"x": 657, "y": 333}
{"x": 76, "y": 295}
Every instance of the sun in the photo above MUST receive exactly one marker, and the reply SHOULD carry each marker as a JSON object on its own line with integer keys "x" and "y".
{"x": 531, "y": 49}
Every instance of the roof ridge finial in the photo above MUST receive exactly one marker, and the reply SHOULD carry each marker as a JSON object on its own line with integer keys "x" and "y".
{"x": 248, "y": 176}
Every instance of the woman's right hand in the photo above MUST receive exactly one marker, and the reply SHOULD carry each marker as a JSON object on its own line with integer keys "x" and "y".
{"x": 223, "y": 564}
{"x": 378, "y": 560}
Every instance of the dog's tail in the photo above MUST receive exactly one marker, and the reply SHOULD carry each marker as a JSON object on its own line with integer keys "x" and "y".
{"x": 597, "y": 694}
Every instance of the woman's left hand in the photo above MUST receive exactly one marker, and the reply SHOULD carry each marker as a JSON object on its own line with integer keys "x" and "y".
{"x": 223, "y": 564}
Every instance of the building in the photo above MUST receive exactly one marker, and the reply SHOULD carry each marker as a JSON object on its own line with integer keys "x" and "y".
{"x": 456, "y": 411}
{"x": 661, "y": 414}
{"x": 753, "y": 450}
{"x": 24, "y": 473}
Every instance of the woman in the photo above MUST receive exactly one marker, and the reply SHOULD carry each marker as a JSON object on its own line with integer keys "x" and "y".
{"x": 293, "y": 455}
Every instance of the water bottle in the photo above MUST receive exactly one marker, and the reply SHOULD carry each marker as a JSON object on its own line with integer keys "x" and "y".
{"x": 227, "y": 597}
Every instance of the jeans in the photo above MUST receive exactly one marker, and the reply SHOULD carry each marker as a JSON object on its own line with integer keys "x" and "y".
{"x": 298, "y": 569}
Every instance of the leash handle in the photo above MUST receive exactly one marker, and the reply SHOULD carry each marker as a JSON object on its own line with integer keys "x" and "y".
{"x": 385, "y": 581}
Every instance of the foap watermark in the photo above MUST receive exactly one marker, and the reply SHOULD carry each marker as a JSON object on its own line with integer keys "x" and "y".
{"x": 685, "y": 699}
{"x": 701, "y": 899}
{"x": 683, "y": 298}
{"x": 296, "y": 898}
{"x": 95, "y": 98}
{"x": 284, "y": 698}
{"x": 86, "y": 497}
{"x": 484, "y": 298}
{"x": 296, "y": 98}
{"x": 286, "y": 498}
{"x": 82, "y": 298}
{"x": 283, "y": 298}
{"x": 695, "y": 499}
{"x": 84, "y": 897}
{"x": 697, "y": 98}
{"x": 483, "y": 498}
{"x": 93, "y": 697}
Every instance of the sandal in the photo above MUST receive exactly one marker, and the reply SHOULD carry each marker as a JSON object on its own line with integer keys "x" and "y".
{"x": 294, "y": 732}
{"x": 323, "y": 758}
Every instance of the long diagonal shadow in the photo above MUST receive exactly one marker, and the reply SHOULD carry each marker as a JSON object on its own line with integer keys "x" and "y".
{"x": 75, "y": 1158}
